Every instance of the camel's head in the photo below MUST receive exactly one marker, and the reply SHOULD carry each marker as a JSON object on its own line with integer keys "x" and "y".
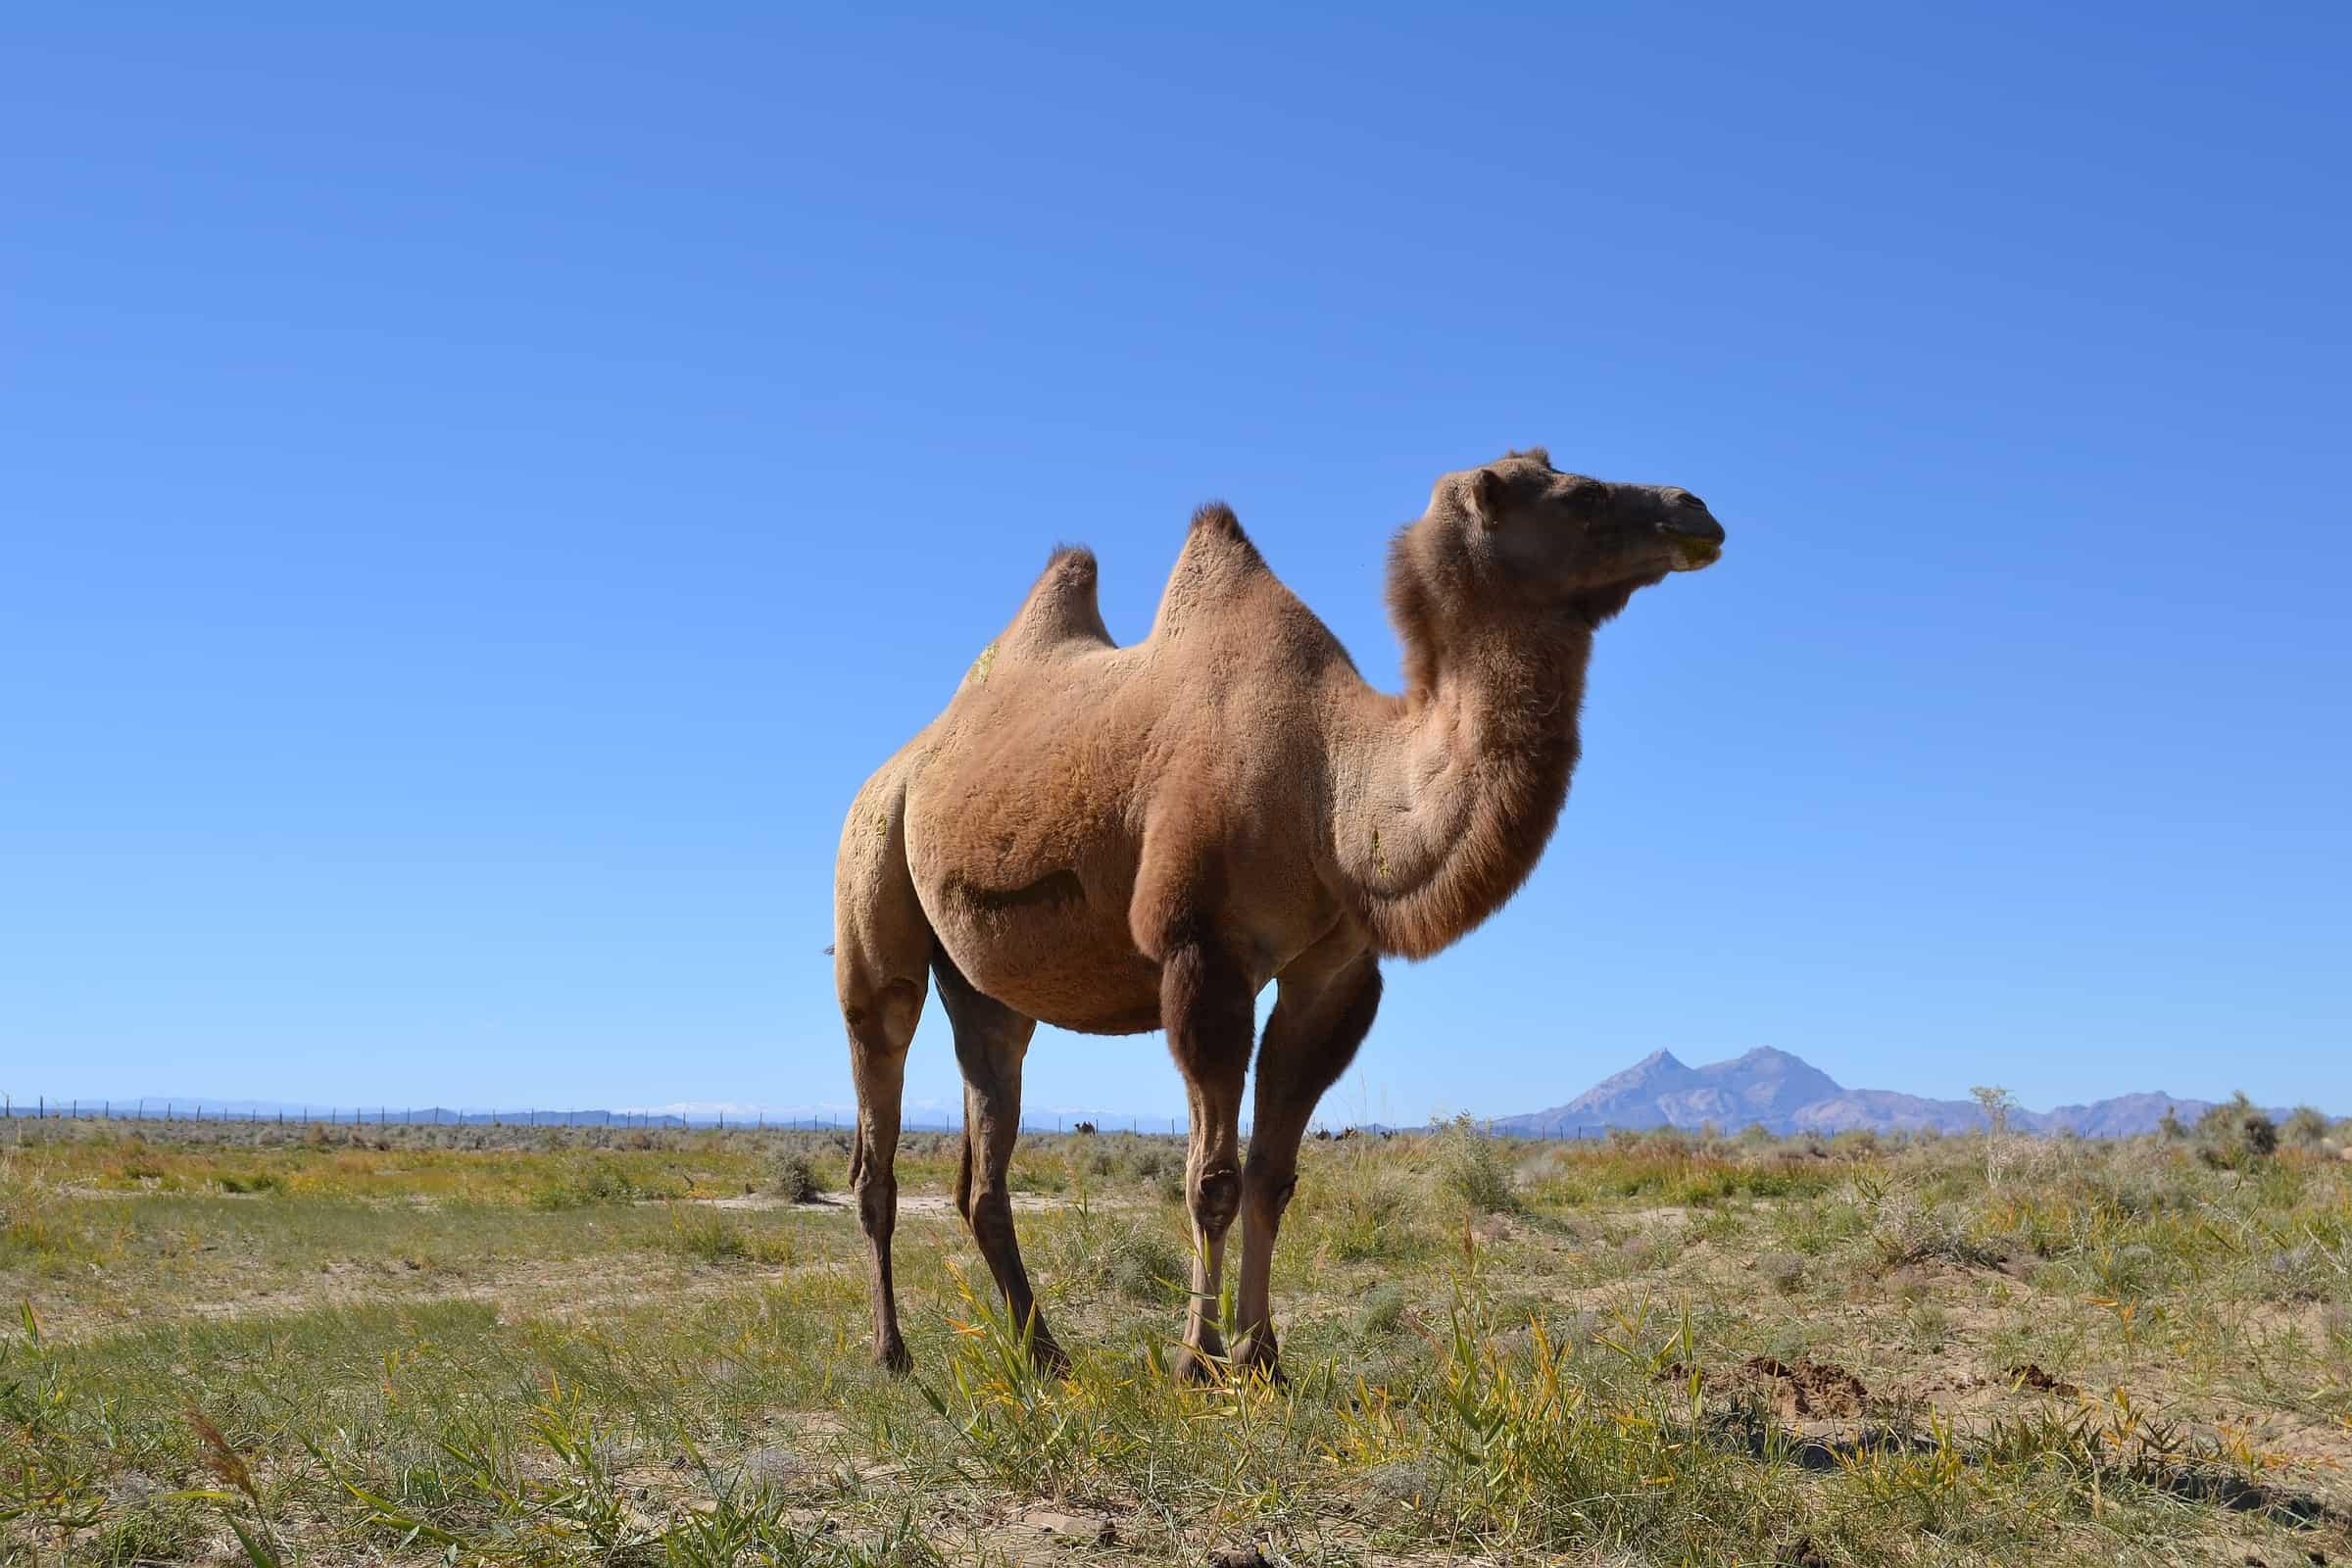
{"x": 1518, "y": 529}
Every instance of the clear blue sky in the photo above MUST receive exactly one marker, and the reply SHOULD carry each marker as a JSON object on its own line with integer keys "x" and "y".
{"x": 479, "y": 494}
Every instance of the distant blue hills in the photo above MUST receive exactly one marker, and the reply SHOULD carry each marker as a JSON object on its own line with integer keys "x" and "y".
{"x": 193, "y": 1108}
{"x": 1781, "y": 1092}
{"x": 1785, "y": 1093}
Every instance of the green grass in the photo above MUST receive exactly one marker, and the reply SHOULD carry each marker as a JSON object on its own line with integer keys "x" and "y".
{"x": 563, "y": 1350}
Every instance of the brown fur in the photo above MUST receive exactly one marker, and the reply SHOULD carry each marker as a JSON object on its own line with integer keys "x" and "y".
{"x": 1121, "y": 839}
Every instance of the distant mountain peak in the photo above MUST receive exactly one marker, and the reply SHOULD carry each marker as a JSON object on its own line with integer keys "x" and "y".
{"x": 1784, "y": 1094}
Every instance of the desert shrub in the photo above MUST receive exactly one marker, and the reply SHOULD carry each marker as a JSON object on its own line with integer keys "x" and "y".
{"x": 2236, "y": 1134}
{"x": 1163, "y": 1169}
{"x": 1909, "y": 1234}
{"x": 792, "y": 1175}
{"x": 2302, "y": 1273}
{"x": 594, "y": 1181}
{"x": 709, "y": 1237}
{"x": 1370, "y": 1215}
{"x": 1785, "y": 1272}
{"x": 1473, "y": 1169}
{"x": 1381, "y": 1311}
{"x": 2305, "y": 1128}
{"x": 1144, "y": 1268}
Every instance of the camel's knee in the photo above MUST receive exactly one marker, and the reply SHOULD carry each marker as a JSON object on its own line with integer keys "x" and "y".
{"x": 877, "y": 1193}
{"x": 1216, "y": 1197}
{"x": 988, "y": 1210}
{"x": 1268, "y": 1195}
{"x": 881, "y": 1017}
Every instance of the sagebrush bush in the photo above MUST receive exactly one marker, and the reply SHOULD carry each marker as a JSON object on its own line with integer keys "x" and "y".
{"x": 2305, "y": 1128}
{"x": 794, "y": 1178}
{"x": 1144, "y": 1268}
{"x": 2236, "y": 1134}
{"x": 1473, "y": 1169}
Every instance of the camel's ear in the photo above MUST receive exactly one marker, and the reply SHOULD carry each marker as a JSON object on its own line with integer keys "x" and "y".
{"x": 1485, "y": 491}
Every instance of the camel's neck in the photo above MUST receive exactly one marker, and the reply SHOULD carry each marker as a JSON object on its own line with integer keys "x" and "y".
{"x": 1452, "y": 791}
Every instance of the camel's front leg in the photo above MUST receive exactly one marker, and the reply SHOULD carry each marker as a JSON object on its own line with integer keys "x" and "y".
{"x": 1321, "y": 1014}
{"x": 1205, "y": 1005}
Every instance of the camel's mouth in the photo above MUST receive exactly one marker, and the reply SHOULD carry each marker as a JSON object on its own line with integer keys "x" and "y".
{"x": 1692, "y": 554}
{"x": 1693, "y": 535}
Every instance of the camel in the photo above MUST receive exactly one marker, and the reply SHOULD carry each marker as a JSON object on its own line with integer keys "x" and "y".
{"x": 1116, "y": 839}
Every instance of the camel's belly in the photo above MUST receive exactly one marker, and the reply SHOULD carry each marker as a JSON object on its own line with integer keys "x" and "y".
{"x": 1055, "y": 960}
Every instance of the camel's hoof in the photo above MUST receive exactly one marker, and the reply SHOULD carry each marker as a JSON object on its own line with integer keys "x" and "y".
{"x": 1050, "y": 1359}
{"x": 1197, "y": 1368}
{"x": 892, "y": 1355}
{"x": 1260, "y": 1359}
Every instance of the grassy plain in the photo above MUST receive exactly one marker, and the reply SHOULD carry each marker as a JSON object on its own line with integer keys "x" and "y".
{"x": 239, "y": 1344}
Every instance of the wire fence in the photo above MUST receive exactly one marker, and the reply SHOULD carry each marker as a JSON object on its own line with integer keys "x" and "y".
{"x": 43, "y": 1108}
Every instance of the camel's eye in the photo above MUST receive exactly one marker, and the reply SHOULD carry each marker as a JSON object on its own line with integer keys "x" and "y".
{"x": 1581, "y": 500}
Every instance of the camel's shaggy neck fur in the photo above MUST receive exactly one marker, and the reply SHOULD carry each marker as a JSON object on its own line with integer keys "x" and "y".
{"x": 1451, "y": 796}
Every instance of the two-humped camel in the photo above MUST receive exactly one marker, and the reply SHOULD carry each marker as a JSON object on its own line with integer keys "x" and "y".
{"x": 1116, "y": 839}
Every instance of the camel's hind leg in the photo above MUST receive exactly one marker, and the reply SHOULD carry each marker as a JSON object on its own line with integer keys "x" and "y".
{"x": 991, "y": 1042}
{"x": 881, "y": 948}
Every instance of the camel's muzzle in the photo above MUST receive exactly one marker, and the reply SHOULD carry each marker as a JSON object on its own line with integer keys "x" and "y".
{"x": 1696, "y": 537}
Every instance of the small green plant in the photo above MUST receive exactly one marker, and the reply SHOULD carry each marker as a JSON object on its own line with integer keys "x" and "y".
{"x": 711, "y": 1239}
{"x": 1382, "y": 1311}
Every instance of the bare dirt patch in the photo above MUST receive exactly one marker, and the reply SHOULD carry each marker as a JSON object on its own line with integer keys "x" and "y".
{"x": 1794, "y": 1391}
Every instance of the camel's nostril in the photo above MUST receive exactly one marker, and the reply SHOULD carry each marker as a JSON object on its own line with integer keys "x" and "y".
{"x": 1687, "y": 499}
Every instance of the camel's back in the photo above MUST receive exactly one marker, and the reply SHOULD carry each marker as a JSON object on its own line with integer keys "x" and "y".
{"x": 1028, "y": 800}
{"x": 1053, "y": 718}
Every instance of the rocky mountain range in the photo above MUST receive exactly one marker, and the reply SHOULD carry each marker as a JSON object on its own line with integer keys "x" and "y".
{"x": 1785, "y": 1093}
